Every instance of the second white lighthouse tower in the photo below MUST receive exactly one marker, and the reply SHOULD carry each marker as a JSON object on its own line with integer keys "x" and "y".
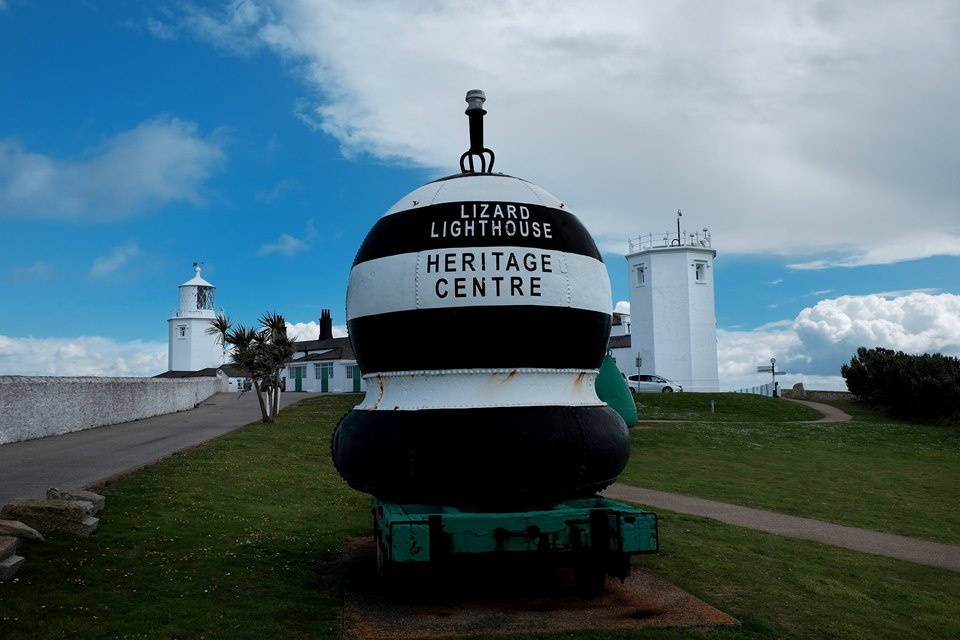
{"x": 672, "y": 310}
{"x": 190, "y": 347}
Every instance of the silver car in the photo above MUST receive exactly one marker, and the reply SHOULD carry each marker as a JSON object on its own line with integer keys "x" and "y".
{"x": 647, "y": 383}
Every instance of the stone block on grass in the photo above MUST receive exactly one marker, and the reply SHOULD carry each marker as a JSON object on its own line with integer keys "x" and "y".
{"x": 9, "y": 560}
{"x": 9, "y": 566}
{"x": 95, "y": 499}
{"x": 68, "y": 516}
{"x": 19, "y": 530}
{"x": 8, "y": 546}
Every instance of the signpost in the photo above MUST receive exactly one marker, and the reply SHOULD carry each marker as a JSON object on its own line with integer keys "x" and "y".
{"x": 772, "y": 370}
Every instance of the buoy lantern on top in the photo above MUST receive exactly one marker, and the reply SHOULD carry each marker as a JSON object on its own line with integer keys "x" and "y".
{"x": 479, "y": 311}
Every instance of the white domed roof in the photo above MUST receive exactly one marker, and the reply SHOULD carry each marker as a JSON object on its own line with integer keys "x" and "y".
{"x": 484, "y": 187}
{"x": 196, "y": 280}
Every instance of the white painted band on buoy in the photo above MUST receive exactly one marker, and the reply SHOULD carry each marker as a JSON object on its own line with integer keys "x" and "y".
{"x": 482, "y": 276}
{"x": 479, "y": 389}
{"x": 480, "y": 188}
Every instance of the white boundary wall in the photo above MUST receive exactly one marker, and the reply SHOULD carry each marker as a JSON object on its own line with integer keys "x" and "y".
{"x": 759, "y": 390}
{"x": 36, "y": 407}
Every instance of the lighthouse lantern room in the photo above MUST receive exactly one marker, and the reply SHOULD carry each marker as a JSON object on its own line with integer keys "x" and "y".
{"x": 190, "y": 347}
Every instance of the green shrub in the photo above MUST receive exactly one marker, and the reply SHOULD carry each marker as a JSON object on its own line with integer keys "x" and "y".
{"x": 921, "y": 386}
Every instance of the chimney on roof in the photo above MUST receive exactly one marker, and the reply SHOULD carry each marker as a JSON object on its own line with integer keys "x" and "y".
{"x": 326, "y": 325}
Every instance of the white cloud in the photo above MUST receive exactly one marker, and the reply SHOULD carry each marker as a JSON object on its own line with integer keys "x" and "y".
{"x": 160, "y": 161}
{"x": 234, "y": 29}
{"x": 813, "y": 346}
{"x": 739, "y": 353}
{"x": 904, "y": 292}
{"x": 915, "y": 323}
{"x": 107, "y": 265}
{"x": 160, "y": 30}
{"x": 809, "y": 129}
{"x": 81, "y": 356}
{"x": 290, "y": 245}
{"x": 286, "y": 244}
{"x": 311, "y": 330}
{"x": 909, "y": 247}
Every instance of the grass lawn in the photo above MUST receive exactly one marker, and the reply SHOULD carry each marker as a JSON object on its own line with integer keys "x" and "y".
{"x": 870, "y": 472}
{"x": 241, "y": 538}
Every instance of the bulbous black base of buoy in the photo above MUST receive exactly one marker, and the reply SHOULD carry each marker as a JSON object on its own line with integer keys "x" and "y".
{"x": 490, "y": 457}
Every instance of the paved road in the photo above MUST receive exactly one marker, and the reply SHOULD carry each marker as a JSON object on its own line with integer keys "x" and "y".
{"x": 79, "y": 459}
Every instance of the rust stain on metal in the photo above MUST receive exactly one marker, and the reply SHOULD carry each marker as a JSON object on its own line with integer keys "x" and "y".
{"x": 578, "y": 382}
{"x": 376, "y": 405}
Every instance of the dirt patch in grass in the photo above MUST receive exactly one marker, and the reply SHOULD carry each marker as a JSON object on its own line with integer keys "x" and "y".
{"x": 502, "y": 600}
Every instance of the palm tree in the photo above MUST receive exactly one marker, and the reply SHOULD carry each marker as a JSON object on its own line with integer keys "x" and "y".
{"x": 277, "y": 349}
{"x": 263, "y": 353}
{"x": 220, "y": 327}
{"x": 246, "y": 355}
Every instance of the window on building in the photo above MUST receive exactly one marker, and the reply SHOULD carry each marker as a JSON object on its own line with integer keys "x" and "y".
{"x": 641, "y": 275}
{"x": 182, "y": 331}
{"x": 303, "y": 372}
{"x": 700, "y": 271}
{"x": 348, "y": 370}
{"x": 319, "y": 367}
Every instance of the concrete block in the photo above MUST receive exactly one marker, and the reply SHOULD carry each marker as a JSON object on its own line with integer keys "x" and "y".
{"x": 8, "y": 546}
{"x": 95, "y": 499}
{"x": 69, "y": 516}
{"x": 9, "y": 566}
{"x": 19, "y": 530}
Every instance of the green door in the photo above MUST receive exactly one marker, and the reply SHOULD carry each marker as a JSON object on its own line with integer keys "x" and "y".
{"x": 298, "y": 378}
{"x": 324, "y": 380}
{"x": 356, "y": 379}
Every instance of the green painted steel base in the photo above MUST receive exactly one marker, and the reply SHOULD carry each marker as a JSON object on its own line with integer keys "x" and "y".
{"x": 595, "y": 535}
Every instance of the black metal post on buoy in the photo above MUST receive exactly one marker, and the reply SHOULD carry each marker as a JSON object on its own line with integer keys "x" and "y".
{"x": 475, "y": 112}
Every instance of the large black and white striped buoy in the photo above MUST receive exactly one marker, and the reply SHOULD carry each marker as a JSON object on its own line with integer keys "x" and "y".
{"x": 479, "y": 311}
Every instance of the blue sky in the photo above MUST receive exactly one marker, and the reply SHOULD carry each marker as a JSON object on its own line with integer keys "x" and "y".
{"x": 818, "y": 142}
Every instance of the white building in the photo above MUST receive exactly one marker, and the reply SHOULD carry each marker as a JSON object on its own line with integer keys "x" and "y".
{"x": 189, "y": 346}
{"x": 673, "y": 318}
{"x": 324, "y": 365}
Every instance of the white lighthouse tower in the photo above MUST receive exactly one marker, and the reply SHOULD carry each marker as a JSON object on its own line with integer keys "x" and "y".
{"x": 190, "y": 347}
{"x": 674, "y": 332}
